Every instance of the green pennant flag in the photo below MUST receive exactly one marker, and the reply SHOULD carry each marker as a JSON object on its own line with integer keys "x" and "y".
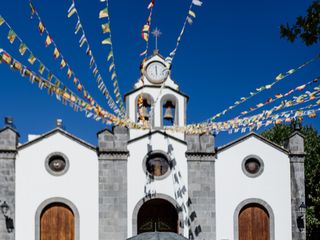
{"x": 41, "y": 68}
{"x": 107, "y": 41}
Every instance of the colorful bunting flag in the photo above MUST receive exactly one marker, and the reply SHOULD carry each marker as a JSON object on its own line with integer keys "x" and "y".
{"x": 22, "y": 48}
{"x": 11, "y": 36}
{"x": 104, "y": 13}
{"x": 31, "y": 59}
{"x": 105, "y": 28}
{"x": 1, "y": 20}
{"x": 48, "y": 40}
{"x": 41, "y": 27}
{"x": 107, "y": 41}
{"x": 56, "y": 53}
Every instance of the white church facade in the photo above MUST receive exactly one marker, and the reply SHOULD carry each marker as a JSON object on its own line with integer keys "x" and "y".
{"x": 57, "y": 186}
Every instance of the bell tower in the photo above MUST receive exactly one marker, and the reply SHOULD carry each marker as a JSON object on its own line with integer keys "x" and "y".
{"x": 156, "y": 99}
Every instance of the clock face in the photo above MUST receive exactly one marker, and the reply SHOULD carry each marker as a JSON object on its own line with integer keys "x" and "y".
{"x": 156, "y": 72}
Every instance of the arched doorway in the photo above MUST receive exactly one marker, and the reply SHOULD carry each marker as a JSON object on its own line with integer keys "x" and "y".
{"x": 254, "y": 223}
{"x": 57, "y": 222}
{"x": 157, "y": 215}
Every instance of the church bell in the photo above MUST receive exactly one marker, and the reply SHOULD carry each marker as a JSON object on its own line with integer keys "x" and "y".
{"x": 168, "y": 113}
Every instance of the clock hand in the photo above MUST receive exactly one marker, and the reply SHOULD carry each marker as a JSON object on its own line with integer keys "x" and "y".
{"x": 156, "y": 70}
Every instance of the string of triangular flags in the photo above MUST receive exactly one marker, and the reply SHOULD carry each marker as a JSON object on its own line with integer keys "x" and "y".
{"x": 277, "y": 79}
{"x": 58, "y": 56}
{"x": 115, "y": 105}
{"x": 145, "y": 32}
{"x": 189, "y": 19}
{"x": 62, "y": 93}
{"x": 106, "y": 29}
{"x": 279, "y": 96}
{"x": 42, "y": 68}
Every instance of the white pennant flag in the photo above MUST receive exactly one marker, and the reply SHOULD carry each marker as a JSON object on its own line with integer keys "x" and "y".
{"x": 197, "y": 2}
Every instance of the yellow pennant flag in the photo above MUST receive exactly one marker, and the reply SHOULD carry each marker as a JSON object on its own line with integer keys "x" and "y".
{"x": 41, "y": 27}
{"x": 105, "y": 28}
{"x": 107, "y": 41}
{"x": 104, "y": 13}
{"x": 1, "y": 20}
{"x": 73, "y": 11}
{"x": 69, "y": 72}
{"x": 56, "y": 53}
{"x": 63, "y": 63}
{"x": 111, "y": 67}
{"x": 31, "y": 59}
{"x": 110, "y": 55}
{"x": 48, "y": 41}
{"x": 192, "y": 13}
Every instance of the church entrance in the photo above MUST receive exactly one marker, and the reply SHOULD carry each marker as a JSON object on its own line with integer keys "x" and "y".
{"x": 157, "y": 215}
{"x": 254, "y": 223}
{"x": 57, "y": 222}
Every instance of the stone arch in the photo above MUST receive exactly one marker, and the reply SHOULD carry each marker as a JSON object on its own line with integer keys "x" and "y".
{"x": 156, "y": 196}
{"x": 246, "y": 202}
{"x": 68, "y": 203}
{"x": 175, "y": 101}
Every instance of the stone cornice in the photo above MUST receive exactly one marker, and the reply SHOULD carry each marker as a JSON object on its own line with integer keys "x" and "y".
{"x": 114, "y": 156}
{"x": 201, "y": 156}
{"x": 8, "y": 154}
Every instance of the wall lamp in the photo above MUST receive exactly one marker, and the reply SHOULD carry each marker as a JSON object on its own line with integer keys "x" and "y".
{"x": 301, "y": 214}
{"x": 4, "y": 207}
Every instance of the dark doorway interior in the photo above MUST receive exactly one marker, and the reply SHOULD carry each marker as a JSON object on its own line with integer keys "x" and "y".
{"x": 157, "y": 215}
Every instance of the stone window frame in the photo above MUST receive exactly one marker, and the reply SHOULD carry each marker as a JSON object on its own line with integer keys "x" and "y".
{"x": 156, "y": 196}
{"x": 60, "y": 173}
{"x": 65, "y": 201}
{"x": 144, "y": 165}
{"x": 261, "y": 202}
{"x": 252, "y": 175}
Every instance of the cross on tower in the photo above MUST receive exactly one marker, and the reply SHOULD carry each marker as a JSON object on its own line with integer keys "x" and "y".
{"x": 156, "y": 33}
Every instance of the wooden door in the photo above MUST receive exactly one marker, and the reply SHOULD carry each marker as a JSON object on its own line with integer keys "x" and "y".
{"x": 254, "y": 223}
{"x": 57, "y": 223}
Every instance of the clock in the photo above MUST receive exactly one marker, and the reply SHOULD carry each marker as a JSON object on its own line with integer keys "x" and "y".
{"x": 156, "y": 72}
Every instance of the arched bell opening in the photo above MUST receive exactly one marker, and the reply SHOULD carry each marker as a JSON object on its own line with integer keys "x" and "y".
{"x": 157, "y": 215}
{"x": 143, "y": 108}
{"x": 169, "y": 111}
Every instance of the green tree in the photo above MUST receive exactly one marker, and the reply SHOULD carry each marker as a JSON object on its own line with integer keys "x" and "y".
{"x": 279, "y": 134}
{"x": 306, "y": 27}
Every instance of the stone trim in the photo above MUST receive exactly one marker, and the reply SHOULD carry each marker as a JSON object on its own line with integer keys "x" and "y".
{"x": 8, "y": 155}
{"x": 57, "y": 200}
{"x": 49, "y": 170}
{"x": 263, "y": 204}
{"x": 118, "y": 156}
{"x": 200, "y": 156}
{"x": 254, "y": 175}
{"x": 155, "y": 196}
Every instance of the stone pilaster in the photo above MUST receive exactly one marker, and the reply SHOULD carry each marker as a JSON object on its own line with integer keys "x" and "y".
{"x": 201, "y": 182}
{"x": 8, "y": 150}
{"x": 113, "y": 157}
{"x": 295, "y": 145}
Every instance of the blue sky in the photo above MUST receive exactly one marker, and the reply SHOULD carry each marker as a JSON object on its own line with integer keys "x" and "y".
{"x": 231, "y": 48}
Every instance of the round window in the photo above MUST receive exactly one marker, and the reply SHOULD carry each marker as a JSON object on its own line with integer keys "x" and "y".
{"x": 252, "y": 166}
{"x": 157, "y": 164}
{"x": 57, "y": 164}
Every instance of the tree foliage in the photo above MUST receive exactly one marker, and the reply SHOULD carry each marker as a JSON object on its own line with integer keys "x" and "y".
{"x": 306, "y": 27}
{"x": 279, "y": 134}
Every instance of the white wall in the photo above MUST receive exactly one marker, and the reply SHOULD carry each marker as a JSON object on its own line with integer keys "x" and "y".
{"x": 233, "y": 186}
{"x": 137, "y": 177}
{"x": 34, "y": 184}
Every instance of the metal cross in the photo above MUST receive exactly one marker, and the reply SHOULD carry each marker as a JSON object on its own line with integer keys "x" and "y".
{"x": 156, "y": 33}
